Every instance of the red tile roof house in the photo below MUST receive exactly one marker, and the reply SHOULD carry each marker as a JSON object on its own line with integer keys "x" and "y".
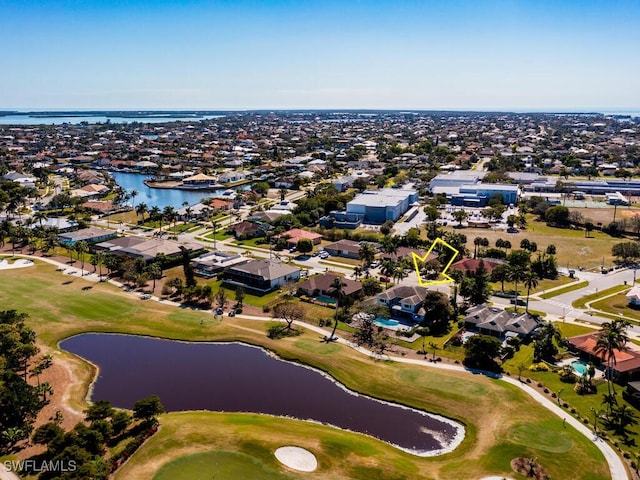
{"x": 470, "y": 265}
{"x": 296, "y": 234}
{"x": 627, "y": 362}
{"x": 321, "y": 285}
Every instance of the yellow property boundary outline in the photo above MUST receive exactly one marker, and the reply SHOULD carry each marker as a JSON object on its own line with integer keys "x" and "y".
{"x": 416, "y": 258}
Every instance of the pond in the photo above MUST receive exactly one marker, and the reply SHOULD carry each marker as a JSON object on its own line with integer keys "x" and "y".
{"x": 234, "y": 377}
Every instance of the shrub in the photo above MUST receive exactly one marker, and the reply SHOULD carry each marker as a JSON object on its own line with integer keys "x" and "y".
{"x": 539, "y": 367}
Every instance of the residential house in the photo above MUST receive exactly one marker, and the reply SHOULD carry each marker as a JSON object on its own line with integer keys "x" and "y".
{"x": 261, "y": 275}
{"x": 296, "y": 234}
{"x": 322, "y": 285}
{"x": 402, "y": 252}
{"x": 405, "y": 301}
{"x": 89, "y": 235}
{"x": 624, "y": 367}
{"x": 470, "y": 265}
{"x": 245, "y": 229}
{"x": 500, "y": 323}
{"x": 211, "y": 263}
{"x": 344, "y": 248}
{"x": 633, "y": 297}
{"x": 233, "y": 176}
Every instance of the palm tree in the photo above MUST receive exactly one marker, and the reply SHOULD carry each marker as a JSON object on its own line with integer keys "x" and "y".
{"x": 357, "y": 272}
{"x": 81, "y": 248}
{"x": 367, "y": 253}
{"x": 133, "y": 194}
{"x": 530, "y": 280}
{"x": 337, "y": 289}
{"x": 141, "y": 209}
{"x": 155, "y": 270}
{"x": 283, "y": 194}
{"x": 387, "y": 268}
{"x": 169, "y": 214}
{"x": 98, "y": 260}
{"x": 515, "y": 274}
{"x": 611, "y": 338}
{"x": 40, "y": 217}
{"x": 500, "y": 274}
{"x": 476, "y": 243}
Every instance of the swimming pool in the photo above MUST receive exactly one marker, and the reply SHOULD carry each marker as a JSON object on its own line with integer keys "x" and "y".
{"x": 580, "y": 367}
{"x": 385, "y": 322}
{"x": 326, "y": 299}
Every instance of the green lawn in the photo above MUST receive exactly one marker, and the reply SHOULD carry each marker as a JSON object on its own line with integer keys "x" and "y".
{"x": 563, "y": 290}
{"x": 489, "y": 409}
{"x": 582, "y": 301}
{"x": 617, "y": 305}
{"x": 220, "y": 465}
{"x": 220, "y": 235}
{"x": 572, "y": 247}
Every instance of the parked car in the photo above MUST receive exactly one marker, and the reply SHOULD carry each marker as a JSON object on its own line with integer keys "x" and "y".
{"x": 384, "y": 279}
{"x": 375, "y": 264}
{"x": 324, "y": 255}
{"x": 219, "y": 311}
{"x": 145, "y": 296}
{"x": 232, "y": 313}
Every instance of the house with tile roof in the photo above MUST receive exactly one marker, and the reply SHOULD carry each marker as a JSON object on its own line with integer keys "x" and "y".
{"x": 322, "y": 285}
{"x": 625, "y": 367}
{"x": 500, "y": 323}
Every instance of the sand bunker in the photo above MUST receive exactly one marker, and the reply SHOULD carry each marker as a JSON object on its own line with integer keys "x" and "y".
{"x": 297, "y": 458}
{"x": 20, "y": 263}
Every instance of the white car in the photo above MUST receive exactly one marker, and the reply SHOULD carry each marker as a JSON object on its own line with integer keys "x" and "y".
{"x": 324, "y": 255}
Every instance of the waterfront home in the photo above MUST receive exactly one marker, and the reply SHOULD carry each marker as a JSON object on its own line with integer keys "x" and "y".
{"x": 624, "y": 367}
{"x": 210, "y": 264}
{"x": 229, "y": 177}
{"x": 261, "y": 275}
{"x": 199, "y": 181}
{"x": 146, "y": 248}
{"x": 500, "y": 323}
{"x": 404, "y": 301}
{"x": 322, "y": 285}
{"x": 221, "y": 205}
{"x": 89, "y": 235}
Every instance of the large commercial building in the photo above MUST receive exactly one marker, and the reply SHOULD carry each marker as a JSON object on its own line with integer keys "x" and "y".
{"x": 378, "y": 206}
{"x": 465, "y": 188}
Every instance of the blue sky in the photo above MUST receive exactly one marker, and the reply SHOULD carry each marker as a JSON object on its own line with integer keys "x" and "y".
{"x": 476, "y": 54}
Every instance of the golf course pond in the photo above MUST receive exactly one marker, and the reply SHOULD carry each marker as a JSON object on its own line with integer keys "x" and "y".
{"x": 234, "y": 377}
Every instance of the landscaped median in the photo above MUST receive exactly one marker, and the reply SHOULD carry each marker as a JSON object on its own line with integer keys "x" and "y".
{"x": 566, "y": 289}
{"x": 496, "y": 416}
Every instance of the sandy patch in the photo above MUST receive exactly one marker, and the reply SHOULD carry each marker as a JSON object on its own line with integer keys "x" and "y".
{"x": 297, "y": 458}
{"x": 19, "y": 263}
{"x": 496, "y": 477}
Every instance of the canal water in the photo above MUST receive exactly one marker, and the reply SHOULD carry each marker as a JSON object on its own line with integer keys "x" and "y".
{"x": 233, "y": 377}
{"x": 162, "y": 197}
